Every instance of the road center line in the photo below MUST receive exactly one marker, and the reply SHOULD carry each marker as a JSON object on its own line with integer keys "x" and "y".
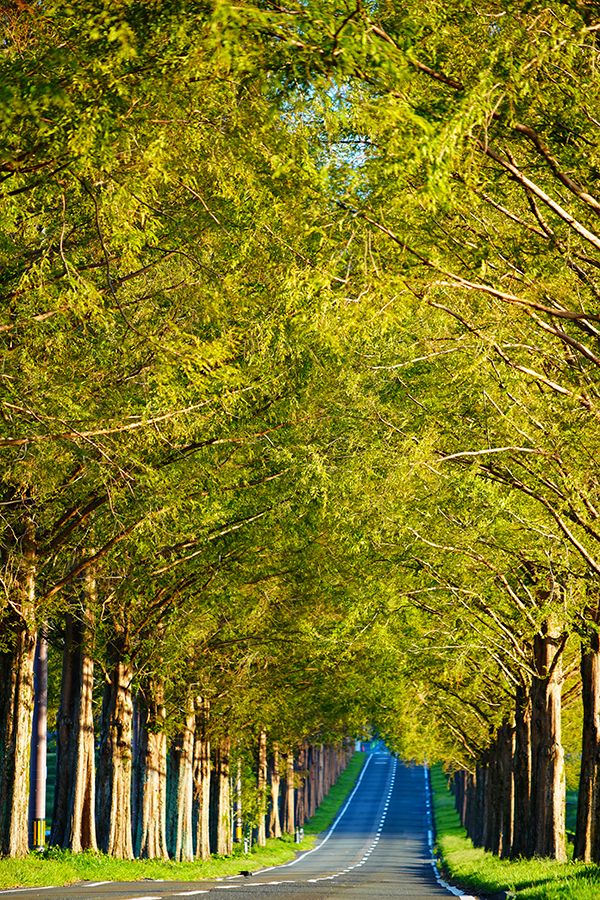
{"x": 332, "y": 828}
{"x": 370, "y": 849}
{"x": 189, "y": 893}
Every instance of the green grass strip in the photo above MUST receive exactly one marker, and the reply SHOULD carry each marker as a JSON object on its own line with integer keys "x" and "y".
{"x": 58, "y": 867}
{"x": 480, "y": 872}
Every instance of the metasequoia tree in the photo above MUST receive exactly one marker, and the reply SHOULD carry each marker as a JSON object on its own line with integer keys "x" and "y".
{"x": 16, "y": 677}
{"x": 202, "y": 778}
{"x": 73, "y": 818}
{"x": 525, "y": 631}
{"x": 111, "y": 276}
{"x": 150, "y": 823}
{"x": 315, "y": 292}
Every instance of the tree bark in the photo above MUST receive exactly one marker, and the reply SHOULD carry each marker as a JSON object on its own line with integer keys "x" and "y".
{"x": 547, "y": 823}
{"x": 64, "y": 728}
{"x": 290, "y": 794}
{"x": 499, "y": 793}
{"x": 274, "y": 818}
{"x": 506, "y": 739}
{"x": 311, "y": 782}
{"x": 522, "y": 773}
{"x": 73, "y": 821}
{"x": 587, "y": 834}
{"x": 224, "y": 846}
{"x": 261, "y": 787}
{"x": 330, "y": 774}
{"x": 320, "y": 792}
{"x": 151, "y": 787}
{"x": 470, "y": 802}
{"x": 16, "y": 699}
{"x": 182, "y": 790}
{"x": 301, "y": 791}
{"x": 202, "y": 773}
{"x": 478, "y": 824}
{"x": 113, "y": 783}
{"x": 492, "y": 802}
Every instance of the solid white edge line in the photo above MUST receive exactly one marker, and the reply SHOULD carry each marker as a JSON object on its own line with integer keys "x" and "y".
{"x": 448, "y": 887}
{"x": 331, "y": 829}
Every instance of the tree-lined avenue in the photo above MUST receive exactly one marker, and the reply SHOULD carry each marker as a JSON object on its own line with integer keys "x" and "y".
{"x": 377, "y": 847}
{"x": 299, "y": 417}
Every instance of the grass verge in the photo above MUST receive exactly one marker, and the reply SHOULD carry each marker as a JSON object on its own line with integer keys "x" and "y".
{"x": 485, "y": 874}
{"x": 59, "y": 867}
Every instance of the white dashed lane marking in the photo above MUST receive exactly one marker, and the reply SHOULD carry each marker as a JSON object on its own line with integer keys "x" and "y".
{"x": 47, "y": 887}
{"x": 373, "y": 843}
{"x": 189, "y": 893}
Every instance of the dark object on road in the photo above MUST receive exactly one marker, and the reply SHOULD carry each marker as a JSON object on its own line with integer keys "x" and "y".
{"x": 245, "y": 873}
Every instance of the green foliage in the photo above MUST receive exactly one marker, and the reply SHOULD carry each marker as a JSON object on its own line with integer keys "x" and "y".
{"x": 476, "y": 870}
{"x": 298, "y": 357}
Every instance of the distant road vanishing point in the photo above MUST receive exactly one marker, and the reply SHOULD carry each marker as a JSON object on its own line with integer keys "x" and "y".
{"x": 378, "y": 847}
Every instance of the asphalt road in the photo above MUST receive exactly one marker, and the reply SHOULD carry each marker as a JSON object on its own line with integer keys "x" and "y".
{"x": 377, "y": 848}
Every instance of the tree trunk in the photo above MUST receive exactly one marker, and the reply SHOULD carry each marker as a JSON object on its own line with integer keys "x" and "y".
{"x": 487, "y": 804}
{"x": 223, "y": 811}
{"x": 457, "y": 787}
{"x": 274, "y": 820}
{"x": 182, "y": 790}
{"x": 311, "y": 782}
{"x": 320, "y": 793}
{"x": 73, "y": 821}
{"x": 290, "y": 794}
{"x": 202, "y": 779}
{"x": 587, "y": 834}
{"x": 327, "y": 750}
{"x": 478, "y": 827}
{"x": 470, "y": 802}
{"x": 492, "y": 802}
{"x": 301, "y": 791}
{"x": 65, "y": 722}
{"x": 16, "y": 700}
{"x": 547, "y": 823}
{"x": 261, "y": 787}
{"x": 113, "y": 784}
{"x": 151, "y": 787}
{"x": 330, "y": 776}
{"x": 522, "y": 773}
{"x": 505, "y": 770}
{"x": 498, "y": 800}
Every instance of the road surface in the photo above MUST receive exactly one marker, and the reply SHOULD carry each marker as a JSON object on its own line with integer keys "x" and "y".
{"x": 377, "y": 848}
